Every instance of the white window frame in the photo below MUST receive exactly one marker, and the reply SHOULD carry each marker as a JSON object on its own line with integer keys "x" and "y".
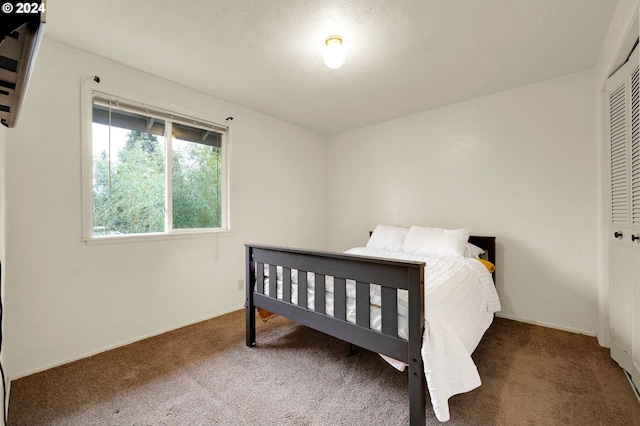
{"x": 176, "y": 114}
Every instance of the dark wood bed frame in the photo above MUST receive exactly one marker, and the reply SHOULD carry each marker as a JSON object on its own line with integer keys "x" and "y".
{"x": 390, "y": 274}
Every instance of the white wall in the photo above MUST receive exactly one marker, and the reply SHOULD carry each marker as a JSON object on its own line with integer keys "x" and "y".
{"x": 519, "y": 165}
{"x": 68, "y": 300}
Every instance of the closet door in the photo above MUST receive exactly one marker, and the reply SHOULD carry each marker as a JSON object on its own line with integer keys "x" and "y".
{"x": 624, "y": 209}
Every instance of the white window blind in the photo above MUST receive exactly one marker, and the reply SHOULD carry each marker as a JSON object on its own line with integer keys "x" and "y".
{"x": 153, "y": 171}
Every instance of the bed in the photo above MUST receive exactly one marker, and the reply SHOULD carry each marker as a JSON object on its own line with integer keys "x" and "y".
{"x": 374, "y": 298}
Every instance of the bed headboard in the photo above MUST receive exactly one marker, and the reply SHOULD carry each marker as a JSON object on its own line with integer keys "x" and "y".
{"x": 488, "y": 244}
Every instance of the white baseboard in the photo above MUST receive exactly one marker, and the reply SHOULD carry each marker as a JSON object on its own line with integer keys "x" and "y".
{"x": 636, "y": 391}
{"x": 548, "y": 325}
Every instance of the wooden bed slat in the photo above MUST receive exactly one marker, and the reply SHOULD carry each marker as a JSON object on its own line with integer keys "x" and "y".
{"x": 389, "y": 310}
{"x": 302, "y": 289}
{"x": 286, "y": 285}
{"x": 362, "y": 304}
{"x": 260, "y": 285}
{"x": 273, "y": 281}
{"x": 319, "y": 294}
{"x": 340, "y": 298}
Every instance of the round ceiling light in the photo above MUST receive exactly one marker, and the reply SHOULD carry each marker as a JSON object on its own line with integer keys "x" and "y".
{"x": 334, "y": 52}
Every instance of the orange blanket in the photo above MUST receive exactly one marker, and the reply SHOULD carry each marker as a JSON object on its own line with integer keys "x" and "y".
{"x": 490, "y": 266}
{"x": 265, "y": 315}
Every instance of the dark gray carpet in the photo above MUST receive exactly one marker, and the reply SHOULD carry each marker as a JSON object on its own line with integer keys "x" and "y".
{"x": 205, "y": 375}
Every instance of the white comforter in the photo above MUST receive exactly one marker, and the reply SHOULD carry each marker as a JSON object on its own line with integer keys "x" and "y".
{"x": 460, "y": 300}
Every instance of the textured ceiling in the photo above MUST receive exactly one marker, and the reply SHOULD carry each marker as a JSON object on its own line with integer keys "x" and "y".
{"x": 403, "y": 56}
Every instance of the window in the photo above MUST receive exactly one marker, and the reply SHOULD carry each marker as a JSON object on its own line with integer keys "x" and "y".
{"x": 153, "y": 172}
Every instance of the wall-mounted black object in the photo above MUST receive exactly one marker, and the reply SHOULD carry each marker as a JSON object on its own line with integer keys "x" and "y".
{"x": 21, "y": 29}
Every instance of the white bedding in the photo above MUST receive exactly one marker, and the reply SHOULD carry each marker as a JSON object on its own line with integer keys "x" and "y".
{"x": 460, "y": 300}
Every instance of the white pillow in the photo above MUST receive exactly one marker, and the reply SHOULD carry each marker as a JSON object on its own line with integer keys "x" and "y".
{"x": 472, "y": 251}
{"x": 425, "y": 241}
{"x": 387, "y": 237}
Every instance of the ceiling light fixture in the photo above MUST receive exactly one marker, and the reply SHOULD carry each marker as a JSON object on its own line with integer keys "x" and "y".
{"x": 334, "y": 52}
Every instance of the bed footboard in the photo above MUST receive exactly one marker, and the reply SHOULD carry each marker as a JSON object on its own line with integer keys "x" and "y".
{"x": 391, "y": 275}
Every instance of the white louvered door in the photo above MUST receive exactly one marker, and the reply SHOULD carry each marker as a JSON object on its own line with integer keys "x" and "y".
{"x": 634, "y": 134}
{"x": 624, "y": 210}
{"x": 619, "y": 155}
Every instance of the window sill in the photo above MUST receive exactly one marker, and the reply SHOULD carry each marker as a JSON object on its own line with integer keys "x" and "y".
{"x": 144, "y": 238}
